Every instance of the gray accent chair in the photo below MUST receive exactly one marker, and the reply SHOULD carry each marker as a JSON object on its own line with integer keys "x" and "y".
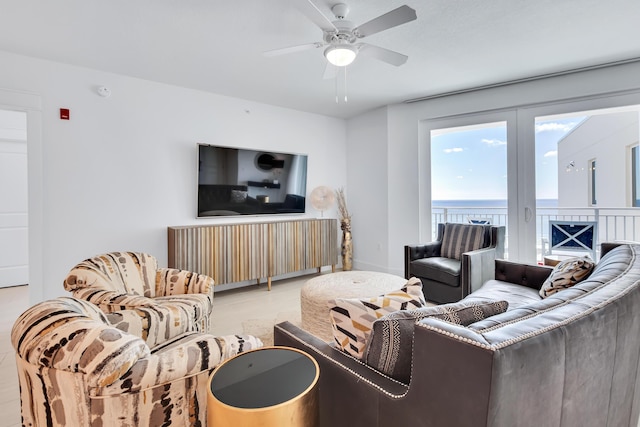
{"x": 448, "y": 279}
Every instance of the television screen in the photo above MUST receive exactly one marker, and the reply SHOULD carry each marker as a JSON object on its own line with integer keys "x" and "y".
{"x": 237, "y": 181}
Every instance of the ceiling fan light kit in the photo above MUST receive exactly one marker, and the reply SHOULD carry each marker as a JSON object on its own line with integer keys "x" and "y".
{"x": 340, "y": 56}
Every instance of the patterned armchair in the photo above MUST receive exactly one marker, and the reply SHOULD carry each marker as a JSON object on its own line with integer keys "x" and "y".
{"x": 153, "y": 303}
{"x": 75, "y": 369}
{"x": 458, "y": 262}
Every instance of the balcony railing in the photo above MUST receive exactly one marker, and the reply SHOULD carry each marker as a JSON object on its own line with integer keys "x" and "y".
{"x": 613, "y": 223}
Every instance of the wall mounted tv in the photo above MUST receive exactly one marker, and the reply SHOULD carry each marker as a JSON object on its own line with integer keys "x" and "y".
{"x": 237, "y": 181}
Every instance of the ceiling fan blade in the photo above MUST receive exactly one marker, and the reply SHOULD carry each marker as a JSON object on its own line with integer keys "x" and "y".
{"x": 316, "y": 15}
{"x": 396, "y": 17}
{"x": 382, "y": 54}
{"x": 292, "y": 49}
{"x": 330, "y": 71}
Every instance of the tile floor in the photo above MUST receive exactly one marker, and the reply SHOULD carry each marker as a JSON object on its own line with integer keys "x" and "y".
{"x": 13, "y": 301}
{"x": 231, "y": 308}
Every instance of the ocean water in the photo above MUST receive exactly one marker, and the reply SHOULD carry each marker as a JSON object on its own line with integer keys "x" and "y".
{"x": 494, "y": 210}
{"x": 488, "y": 203}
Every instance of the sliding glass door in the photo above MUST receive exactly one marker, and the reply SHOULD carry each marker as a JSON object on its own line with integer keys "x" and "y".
{"x": 468, "y": 179}
{"x": 586, "y": 171}
{"x": 574, "y": 161}
{"x": 579, "y": 163}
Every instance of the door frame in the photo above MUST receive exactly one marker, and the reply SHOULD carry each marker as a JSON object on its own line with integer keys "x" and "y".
{"x": 14, "y": 270}
{"x": 31, "y": 103}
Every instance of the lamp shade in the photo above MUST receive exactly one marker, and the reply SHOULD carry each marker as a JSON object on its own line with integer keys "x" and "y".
{"x": 340, "y": 56}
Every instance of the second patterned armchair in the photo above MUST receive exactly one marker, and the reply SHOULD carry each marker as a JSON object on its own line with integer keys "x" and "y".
{"x": 153, "y": 303}
{"x": 76, "y": 369}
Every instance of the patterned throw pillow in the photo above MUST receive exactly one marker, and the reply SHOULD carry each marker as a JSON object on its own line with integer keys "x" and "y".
{"x": 460, "y": 238}
{"x": 391, "y": 342}
{"x": 566, "y": 274}
{"x": 352, "y": 319}
{"x": 238, "y": 196}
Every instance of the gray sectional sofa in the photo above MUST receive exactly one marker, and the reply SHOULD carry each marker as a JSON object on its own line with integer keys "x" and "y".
{"x": 568, "y": 360}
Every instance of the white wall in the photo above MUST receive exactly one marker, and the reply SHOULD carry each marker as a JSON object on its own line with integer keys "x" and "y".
{"x": 124, "y": 168}
{"x": 405, "y": 144}
{"x": 367, "y": 190}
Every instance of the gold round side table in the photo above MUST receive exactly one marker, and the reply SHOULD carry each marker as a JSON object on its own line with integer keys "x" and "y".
{"x": 268, "y": 386}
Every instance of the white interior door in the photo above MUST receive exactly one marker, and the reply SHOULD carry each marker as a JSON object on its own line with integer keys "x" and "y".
{"x": 14, "y": 256}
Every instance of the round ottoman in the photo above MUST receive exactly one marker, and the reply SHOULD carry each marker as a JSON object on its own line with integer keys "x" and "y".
{"x": 317, "y": 292}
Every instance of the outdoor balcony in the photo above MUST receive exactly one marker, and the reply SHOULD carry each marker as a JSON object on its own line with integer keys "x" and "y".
{"x": 613, "y": 223}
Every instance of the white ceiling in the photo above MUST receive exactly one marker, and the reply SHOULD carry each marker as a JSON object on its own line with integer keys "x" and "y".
{"x": 217, "y": 46}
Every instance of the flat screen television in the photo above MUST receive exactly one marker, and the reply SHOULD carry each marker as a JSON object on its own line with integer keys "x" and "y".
{"x": 238, "y": 181}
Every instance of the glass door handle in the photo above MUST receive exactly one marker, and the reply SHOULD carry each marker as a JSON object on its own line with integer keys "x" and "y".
{"x": 528, "y": 213}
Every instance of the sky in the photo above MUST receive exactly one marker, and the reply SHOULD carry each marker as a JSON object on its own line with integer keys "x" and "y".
{"x": 470, "y": 163}
{"x": 548, "y": 133}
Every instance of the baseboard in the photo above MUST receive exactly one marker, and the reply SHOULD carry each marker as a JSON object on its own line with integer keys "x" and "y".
{"x": 364, "y": 266}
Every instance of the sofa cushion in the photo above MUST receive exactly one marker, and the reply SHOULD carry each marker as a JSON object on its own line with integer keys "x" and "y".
{"x": 389, "y": 349}
{"x": 352, "y": 318}
{"x": 515, "y": 314}
{"x": 566, "y": 274}
{"x": 498, "y": 290}
{"x": 460, "y": 238}
{"x": 440, "y": 269}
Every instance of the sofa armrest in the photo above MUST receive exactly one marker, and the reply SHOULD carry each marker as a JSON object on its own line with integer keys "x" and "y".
{"x": 189, "y": 354}
{"x": 54, "y": 336}
{"x": 110, "y": 301}
{"x": 607, "y": 246}
{"x": 287, "y": 334}
{"x": 477, "y": 267}
{"x": 345, "y": 384}
{"x": 497, "y": 239}
{"x": 529, "y": 275}
{"x": 171, "y": 281}
{"x": 419, "y": 251}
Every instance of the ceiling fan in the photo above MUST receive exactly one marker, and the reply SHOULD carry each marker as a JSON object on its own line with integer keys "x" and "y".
{"x": 341, "y": 37}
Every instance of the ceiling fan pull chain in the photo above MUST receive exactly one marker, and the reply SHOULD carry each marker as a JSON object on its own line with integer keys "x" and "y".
{"x": 336, "y": 82}
{"x": 345, "y": 85}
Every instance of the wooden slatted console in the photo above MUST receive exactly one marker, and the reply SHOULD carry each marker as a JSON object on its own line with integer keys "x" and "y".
{"x": 238, "y": 252}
